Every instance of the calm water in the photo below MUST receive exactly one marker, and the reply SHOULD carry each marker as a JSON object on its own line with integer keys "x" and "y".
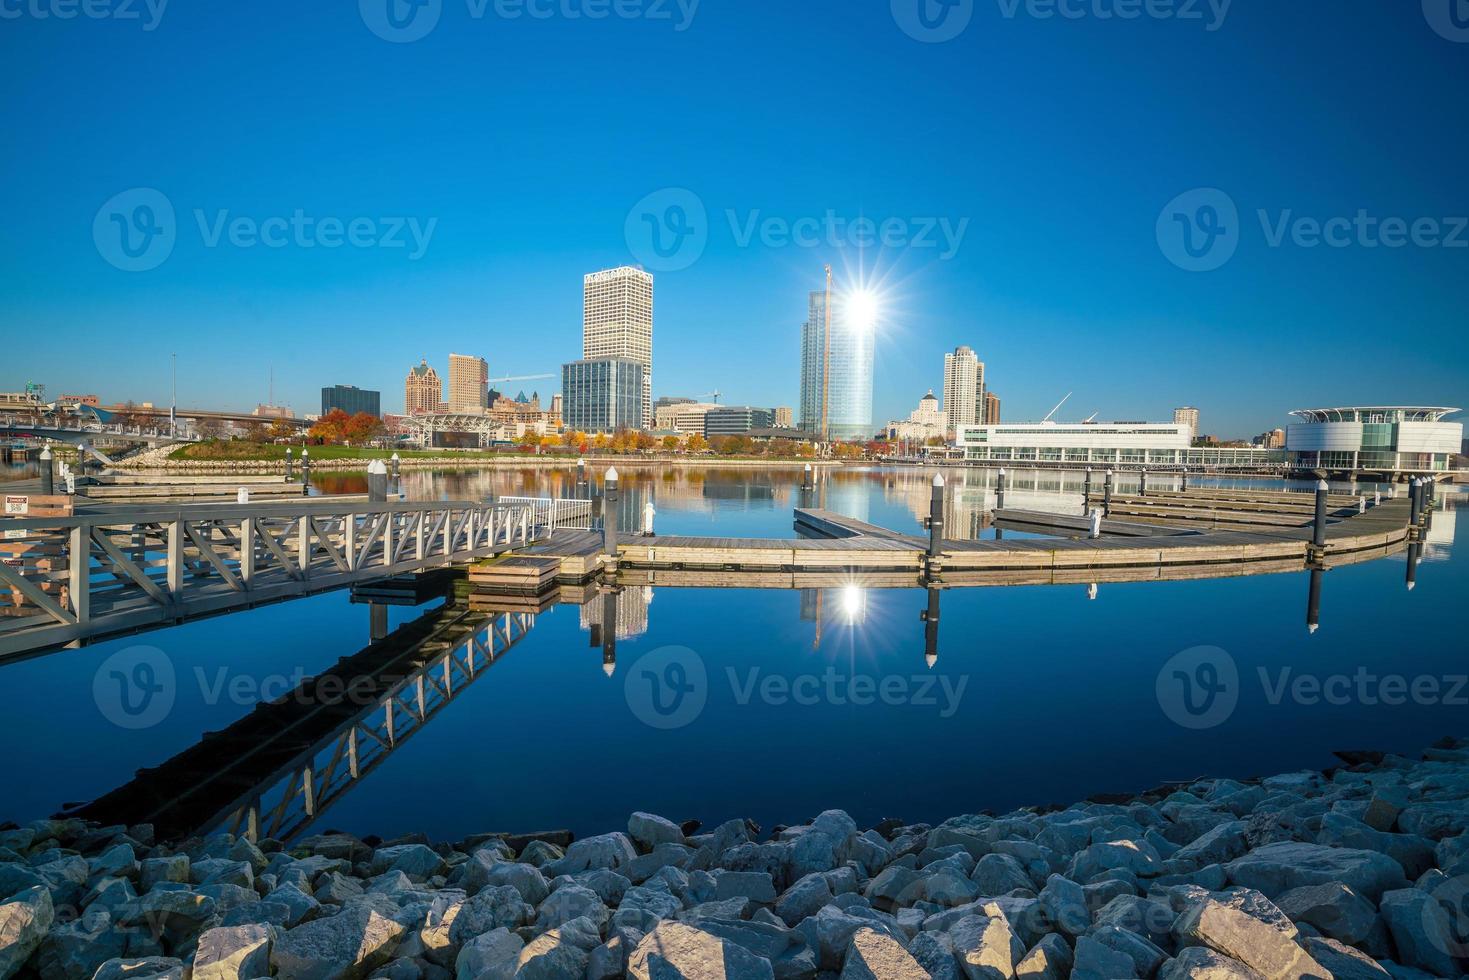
{"x": 809, "y": 700}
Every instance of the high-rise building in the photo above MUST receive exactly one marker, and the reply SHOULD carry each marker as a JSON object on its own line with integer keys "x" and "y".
{"x": 836, "y": 379}
{"x": 991, "y": 409}
{"x": 602, "y": 394}
{"x": 351, "y": 400}
{"x": 924, "y": 423}
{"x": 1188, "y": 417}
{"x": 963, "y": 390}
{"x": 469, "y": 383}
{"x": 617, "y": 321}
{"x": 784, "y": 419}
{"x": 422, "y": 391}
{"x": 736, "y": 420}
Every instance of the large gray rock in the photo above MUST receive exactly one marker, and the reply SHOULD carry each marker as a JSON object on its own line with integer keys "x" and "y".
{"x": 1096, "y": 961}
{"x": 1414, "y": 853}
{"x": 675, "y": 951}
{"x": 24, "y": 921}
{"x": 1344, "y": 962}
{"x": 174, "y": 867}
{"x": 1427, "y": 932}
{"x": 1202, "y": 963}
{"x": 1277, "y": 868}
{"x": 418, "y": 861}
{"x": 873, "y": 955}
{"x": 1333, "y": 908}
{"x": 345, "y": 946}
{"x": 560, "y": 953}
{"x": 1143, "y": 952}
{"x": 986, "y": 947}
{"x": 999, "y": 874}
{"x": 806, "y": 897}
{"x": 236, "y": 953}
{"x": 1136, "y": 856}
{"x": 493, "y": 956}
{"x": 813, "y": 851}
{"x": 142, "y": 968}
{"x": 611, "y": 851}
{"x": 789, "y": 954}
{"x": 571, "y": 902}
{"x": 1049, "y": 959}
{"x": 1140, "y": 915}
{"x": 75, "y": 950}
{"x": 1269, "y": 947}
{"x": 500, "y": 907}
{"x": 830, "y": 930}
{"x": 934, "y": 951}
{"x": 1064, "y": 903}
{"x": 485, "y": 870}
{"x": 650, "y": 830}
{"x": 757, "y": 886}
{"x": 1218, "y": 845}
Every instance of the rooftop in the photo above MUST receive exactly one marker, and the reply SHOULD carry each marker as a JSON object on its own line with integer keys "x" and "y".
{"x": 1350, "y": 413}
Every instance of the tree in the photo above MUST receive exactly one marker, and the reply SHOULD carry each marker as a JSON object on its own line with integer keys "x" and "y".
{"x": 280, "y": 429}
{"x": 331, "y": 427}
{"x": 599, "y": 442}
{"x": 670, "y": 444}
{"x": 644, "y": 441}
{"x": 697, "y": 443}
{"x": 209, "y": 428}
{"x": 255, "y": 432}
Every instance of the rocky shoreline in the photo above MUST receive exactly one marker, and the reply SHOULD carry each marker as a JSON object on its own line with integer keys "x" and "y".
{"x": 1354, "y": 873}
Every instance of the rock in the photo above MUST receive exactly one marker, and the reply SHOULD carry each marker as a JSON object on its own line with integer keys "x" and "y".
{"x": 500, "y": 907}
{"x": 153, "y": 870}
{"x": 560, "y": 953}
{"x": 789, "y": 954}
{"x": 657, "y": 902}
{"x": 1344, "y": 962}
{"x": 334, "y": 888}
{"x": 175, "y": 915}
{"x": 493, "y": 956}
{"x": 1202, "y": 963}
{"x": 611, "y": 851}
{"x": 813, "y": 851}
{"x": 1277, "y": 868}
{"x": 830, "y": 930}
{"x": 142, "y": 968}
{"x": 1267, "y": 947}
{"x": 934, "y": 951}
{"x": 893, "y": 888}
{"x": 1435, "y": 820}
{"x": 650, "y": 830}
{"x": 571, "y": 902}
{"x": 1219, "y": 845}
{"x": 1095, "y": 961}
{"x": 539, "y": 853}
{"x": 675, "y": 951}
{"x": 1425, "y": 934}
{"x": 485, "y": 870}
{"x": 875, "y": 956}
{"x": 24, "y": 920}
{"x": 74, "y": 950}
{"x": 804, "y": 898}
{"x": 1145, "y": 955}
{"x": 757, "y": 886}
{"x": 609, "y": 960}
{"x": 1414, "y": 853}
{"x": 986, "y": 947}
{"x": 999, "y": 874}
{"x": 731, "y": 908}
{"x": 1064, "y": 903}
{"x": 1135, "y": 856}
{"x": 1452, "y": 855}
{"x": 116, "y": 862}
{"x": 418, "y": 861}
{"x": 237, "y": 953}
{"x": 1049, "y": 959}
{"x": 1333, "y": 908}
{"x": 301, "y": 905}
{"x": 346, "y": 946}
{"x": 1140, "y": 915}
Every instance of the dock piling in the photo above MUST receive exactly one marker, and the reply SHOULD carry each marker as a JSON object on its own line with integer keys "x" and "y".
{"x": 936, "y": 518}
{"x": 1000, "y": 490}
{"x": 305, "y": 472}
{"x": 1415, "y": 502}
{"x": 290, "y": 464}
{"x": 1142, "y": 486}
{"x": 1318, "y": 537}
{"x": 1414, "y": 551}
{"x": 1107, "y": 495}
{"x": 377, "y": 482}
{"x": 1086, "y": 491}
{"x": 396, "y": 478}
{"x": 1313, "y": 602}
{"x": 609, "y": 516}
{"x": 48, "y": 478}
{"x": 930, "y": 618}
{"x": 1183, "y": 486}
{"x": 581, "y": 480}
{"x": 649, "y": 512}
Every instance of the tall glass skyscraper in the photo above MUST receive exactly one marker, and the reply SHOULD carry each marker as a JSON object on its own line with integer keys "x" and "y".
{"x": 848, "y": 402}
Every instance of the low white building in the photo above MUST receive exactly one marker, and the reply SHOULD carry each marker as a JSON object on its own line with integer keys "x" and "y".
{"x": 1120, "y": 445}
{"x": 685, "y": 417}
{"x": 1386, "y": 439}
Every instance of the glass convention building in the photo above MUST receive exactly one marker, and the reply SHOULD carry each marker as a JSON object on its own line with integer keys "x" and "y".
{"x": 1381, "y": 439}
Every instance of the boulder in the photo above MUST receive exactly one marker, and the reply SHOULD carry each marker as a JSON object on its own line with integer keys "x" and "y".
{"x": 1202, "y": 963}
{"x": 1414, "y": 853}
{"x": 346, "y": 946}
{"x": 142, "y": 968}
{"x": 830, "y": 930}
{"x": 418, "y": 861}
{"x": 873, "y": 955}
{"x": 609, "y": 960}
{"x": 675, "y": 951}
{"x": 813, "y": 851}
{"x": 500, "y": 907}
{"x": 236, "y": 953}
{"x": 75, "y": 950}
{"x": 1140, "y": 915}
{"x": 1145, "y": 955}
{"x": 934, "y": 951}
{"x": 757, "y": 886}
{"x": 806, "y": 897}
{"x": 611, "y": 851}
{"x": 1424, "y": 932}
{"x": 1269, "y": 947}
{"x": 1096, "y": 961}
{"x": 999, "y": 874}
{"x": 1049, "y": 959}
{"x": 986, "y": 947}
{"x": 789, "y": 954}
{"x": 650, "y": 830}
{"x": 1333, "y": 908}
{"x": 609, "y": 885}
{"x": 1344, "y": 962}
{"x": 24, "y": 921}
{"x": 151, "y": 871}
{"x": 1277, "y": 868}
{"x": 1065, "y": 906}
{"x": 1130, "y": 855}
{"x": 1218, "y": 845}
{"x": 560, "y": 953}
{"x": 485, "y": 870}
{"x": 493, "y": 956}
{"x": 571, "y": 902}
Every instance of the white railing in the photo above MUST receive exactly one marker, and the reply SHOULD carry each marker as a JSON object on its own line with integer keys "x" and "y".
{"x": 554, "y": 514}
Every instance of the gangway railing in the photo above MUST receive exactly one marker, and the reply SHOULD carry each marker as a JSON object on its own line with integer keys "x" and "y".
{"x": 554, "y": 513}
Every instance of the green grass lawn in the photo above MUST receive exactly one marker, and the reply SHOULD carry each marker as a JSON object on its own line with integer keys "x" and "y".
{"x": 241, "y": 450}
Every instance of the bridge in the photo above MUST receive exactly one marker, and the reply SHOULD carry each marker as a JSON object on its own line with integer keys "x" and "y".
{"x": 14, "y": 427}
{"x": 82, "y": 578}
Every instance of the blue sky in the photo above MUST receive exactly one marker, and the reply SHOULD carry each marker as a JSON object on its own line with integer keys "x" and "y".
{"x": 522, "y": 146}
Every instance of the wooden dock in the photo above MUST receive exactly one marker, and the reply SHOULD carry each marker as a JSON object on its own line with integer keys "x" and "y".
{"x": 1214, "y": 534}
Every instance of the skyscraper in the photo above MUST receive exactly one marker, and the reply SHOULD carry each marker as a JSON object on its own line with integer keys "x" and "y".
{"x": 963, "y": 390}
{"x": 422, "y": 391}
{"x": 991, "y": 408}
{"x": 617, "y": 321}
{"x": 845, "y": 395}
{"x": 351, "y": 399}
{"x": 469, "y": 383}
{"x": 602, "y": 394}
{"x": 1188, "y": 417}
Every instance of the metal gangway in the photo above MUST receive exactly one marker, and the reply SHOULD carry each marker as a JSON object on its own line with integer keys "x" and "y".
{"x": 102, "y": 574}
{"x": 556, "y": 514}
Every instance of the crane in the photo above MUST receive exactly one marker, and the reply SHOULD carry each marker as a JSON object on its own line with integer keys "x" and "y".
{"x": 522, "y": 377}
{"x": 1053, "y": 411}
{"x": 711, "y": 394}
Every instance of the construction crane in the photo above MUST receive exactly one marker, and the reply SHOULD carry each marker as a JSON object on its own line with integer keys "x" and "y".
{"x": 522, "y": 377}
{"x": 712, "y": 394}
{"x": 1053, "y": 411}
